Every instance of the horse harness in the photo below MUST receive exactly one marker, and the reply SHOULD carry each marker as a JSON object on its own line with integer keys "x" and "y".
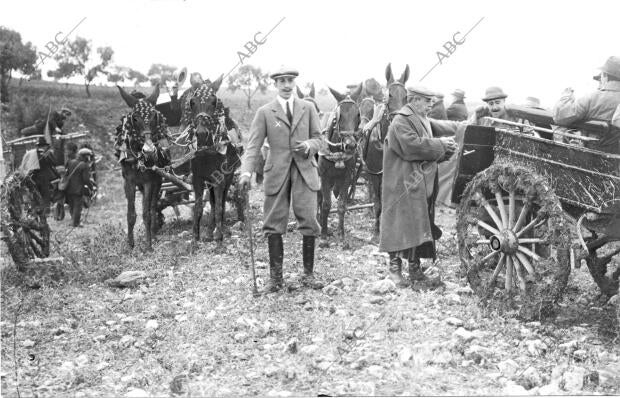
{"x": 340, "y": 156}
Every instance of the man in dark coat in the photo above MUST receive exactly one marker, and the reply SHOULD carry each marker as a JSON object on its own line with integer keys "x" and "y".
{"x": 457, "y": 110}
{"x": 79, "y": 173}
{"x": 411, "y": 154}
{"x": 438, "y": 111}
{"x": 291, "y": 125}
{"x": 56, "y": 123}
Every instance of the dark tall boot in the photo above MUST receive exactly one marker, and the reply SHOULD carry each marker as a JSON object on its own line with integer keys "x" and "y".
{"x": 308, "y": 279}
{"x": 276, "y": 256}
{"x": 395, "y": 271}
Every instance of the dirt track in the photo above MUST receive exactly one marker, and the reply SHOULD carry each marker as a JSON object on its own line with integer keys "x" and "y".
{"x": 193, "y": 328}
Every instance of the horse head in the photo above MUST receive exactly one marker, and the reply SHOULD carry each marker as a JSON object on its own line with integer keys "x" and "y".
{"x": 397, "y": 93}
{"x": 205, "y": 113}
{"x": 144, "y": 126}
{"x": 345, "y": 130}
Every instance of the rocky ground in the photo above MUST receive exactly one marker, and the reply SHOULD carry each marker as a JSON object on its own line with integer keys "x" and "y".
{"x": 187, "y": 323}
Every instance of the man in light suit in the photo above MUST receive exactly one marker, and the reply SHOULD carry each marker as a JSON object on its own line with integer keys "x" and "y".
{"x": 291, "y": 174}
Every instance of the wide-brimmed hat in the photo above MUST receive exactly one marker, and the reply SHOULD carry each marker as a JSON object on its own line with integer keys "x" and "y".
{"x": 459, "y": 93}
{"x": 420, "y": 90}
{"x": 612, "y": 66}
{"x": 284, "y": 72}
{"x": 532, "y": 102}
{"x": 493, "y": 93}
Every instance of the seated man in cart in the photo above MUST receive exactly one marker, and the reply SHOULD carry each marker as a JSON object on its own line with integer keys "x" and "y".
{"x": 495, "y": 107}
{"x": 599, "y": 105}
{"x": 56, "y": 123}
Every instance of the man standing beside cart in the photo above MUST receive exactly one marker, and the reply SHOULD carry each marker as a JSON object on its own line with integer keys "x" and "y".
{"x": 412, "y": 152}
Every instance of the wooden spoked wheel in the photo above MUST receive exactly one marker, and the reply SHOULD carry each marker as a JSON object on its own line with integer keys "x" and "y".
{"x": 513, "y": 239}
{"x": 24, "y": 220}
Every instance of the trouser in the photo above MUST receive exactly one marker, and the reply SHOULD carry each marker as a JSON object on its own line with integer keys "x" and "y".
{"x": 294, "y": 191}
{"x": 75, "y": 207}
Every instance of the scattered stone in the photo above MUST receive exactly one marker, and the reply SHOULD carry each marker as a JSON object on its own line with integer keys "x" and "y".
{"x": 569, "y": 345}
{"x": 28, "y": 344}
{"x": 99, "y": 338}
{"x": 382, "y": 286}
{"x": 376, "y": 300}
{"x": 536, "y": 347}
{"x": 332, "y": 290}
{"x": 531, "y": 378}
{"x": 477, "y": 353}
{"x": 270, "y": 371}
{"x": 240, "y": 337}
{"x": 127, "y": 279}
{"x": 508, "y": 368}
{"x": 454, "y": 321}
{"x": 463, "y": 334}
{"x": 572, "y": 379}
{"x": 453, "y": 298}
{"x": 580, "y": 355}
{"x": 405, "y": 355}
{"x": 81, "y": 360}
{"x": 464, "y": 290}
{"x": 309, "y": 349}
{"x": 151, "y": 324}
{"x": 376, "y": 371}
{"x": 127, "y": 340}
{"x": 137, "y": 393}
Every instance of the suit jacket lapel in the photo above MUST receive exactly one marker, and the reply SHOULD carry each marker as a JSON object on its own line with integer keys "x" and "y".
{"x": 298, "y": 111}
{"x": 279, "y": 113}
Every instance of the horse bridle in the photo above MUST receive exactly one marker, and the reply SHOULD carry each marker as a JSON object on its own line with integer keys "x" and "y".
{"x": 336, "y": 125}
{"x": 215, "y": 126}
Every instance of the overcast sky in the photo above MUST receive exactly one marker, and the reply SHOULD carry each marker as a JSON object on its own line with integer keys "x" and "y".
{"x": 532, "y": 48}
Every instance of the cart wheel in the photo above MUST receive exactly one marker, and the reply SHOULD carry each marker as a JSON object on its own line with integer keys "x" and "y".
{"x": 24, "y": 222}
{"x": 513, "y": 236}
{"x": 598, "y": 269}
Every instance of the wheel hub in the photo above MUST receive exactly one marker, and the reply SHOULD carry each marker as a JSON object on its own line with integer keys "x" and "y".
{"x": 506, "y": 242}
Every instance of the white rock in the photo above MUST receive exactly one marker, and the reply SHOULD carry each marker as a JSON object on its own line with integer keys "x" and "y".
{"x": 211, "y": 315}
{"x": 453, "y": 298}
{"x": 558, "y": 371}
{"x": 580, "y": 355}
{"x": 405, "y": 355}
{"x": 270, "y": 371}
{"x": 463, "y": 334}
{"x": 127, "y": 340}
{"x": 332, "y": 290}
{"x": 509, "y": 368}
{"x": 137, "y": 393}
{"x": 309, "y": 349}
{"x": 536, "y": 347}
{"x": 572, "y": 379}
{"x": 28, "y": 343}
{"x": 382, "y": 286}
{"x": 240, "y": 337}
{"x": 454, "y": 321}
{"x": 81, "y": 360}
{"x": 151, "y": 324}
{"x": 532, "y": 377}
{"x": 376, "y": 371}
{"x": 128, "y": 279}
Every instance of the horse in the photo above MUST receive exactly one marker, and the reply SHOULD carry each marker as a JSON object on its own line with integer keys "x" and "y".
{"x": 337, "y": 165}
{"x": 142, "y": 142}
{"x": 375, "y": 133}
{"x": 215, "y": 160}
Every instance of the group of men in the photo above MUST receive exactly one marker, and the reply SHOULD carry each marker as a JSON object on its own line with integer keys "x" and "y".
{"x": 415, "y": 146}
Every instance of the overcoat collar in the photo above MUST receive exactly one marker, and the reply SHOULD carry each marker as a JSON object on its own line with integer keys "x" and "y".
{"x": 408, "y": 112}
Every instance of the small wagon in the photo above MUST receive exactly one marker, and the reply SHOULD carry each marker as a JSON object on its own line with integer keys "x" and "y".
{"x": 24, "y": 210}
{"x": 528, "y": 206}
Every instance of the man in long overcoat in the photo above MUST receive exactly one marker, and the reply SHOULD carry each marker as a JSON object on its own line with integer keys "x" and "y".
{"x": 291, "y": 126}
{"x": 411, "y": 154}
{"x": 457, "y": 110}
{"x": 79, "y": 173}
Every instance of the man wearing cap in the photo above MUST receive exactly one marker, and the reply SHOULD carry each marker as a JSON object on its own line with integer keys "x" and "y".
{"x": 411, "y": 153}
{"x": 78, "y": 173}
{"x": 598, "y": 105}
{"x": 457, "y": 110}
{"x": 495, "y": 107}
{"x": 438, "y": 111}
{"x": 291, "y": 177}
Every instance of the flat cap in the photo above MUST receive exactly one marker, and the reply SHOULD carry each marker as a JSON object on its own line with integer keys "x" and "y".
{"x": 493, "y": 93}
{"x": 284, "y": 72}
{"x": 420, "y": 90}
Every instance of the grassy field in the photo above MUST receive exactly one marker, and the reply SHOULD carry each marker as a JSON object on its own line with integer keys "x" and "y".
{"x": 193, "y": 327}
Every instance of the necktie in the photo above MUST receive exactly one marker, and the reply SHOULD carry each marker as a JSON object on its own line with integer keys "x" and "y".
{"x": 289, "y": 115}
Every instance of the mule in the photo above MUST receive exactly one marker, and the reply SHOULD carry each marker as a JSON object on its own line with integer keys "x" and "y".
{"x": 215, "y": 159}
{"x": 337, "y": 164}
{"x": 375, "y": 134}
{"x": 143, "y": 142}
